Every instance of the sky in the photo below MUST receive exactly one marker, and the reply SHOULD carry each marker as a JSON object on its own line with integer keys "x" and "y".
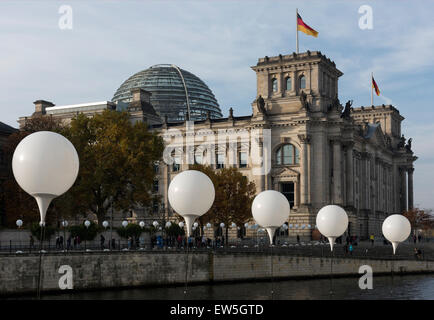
{"x": 219, "y": 41}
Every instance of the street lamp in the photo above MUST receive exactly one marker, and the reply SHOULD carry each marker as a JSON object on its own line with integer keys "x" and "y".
{"x": 270, "y": 209}
{"x": 87, "y": 225}
{"x": 332, "y": 221}
{"x": 396, "y": 228}
{"x": 64, "y": 225}
{"x": 45, "y": 165}
{"x": 191, "y": 194}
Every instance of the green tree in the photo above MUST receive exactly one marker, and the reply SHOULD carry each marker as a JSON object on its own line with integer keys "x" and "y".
{"x": 116, "y": 163}
{"x": 131, "y": 230}
{"x": 234, "y": 195}
{"x": 83, "y": 232}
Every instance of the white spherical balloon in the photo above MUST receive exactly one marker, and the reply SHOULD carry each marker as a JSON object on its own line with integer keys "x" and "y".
{"x": 233, "y": 225}
{"x": 181, "y": 224}
{"x": 396, "y": 228}
{"x": 168, "y": 224}
{"x": 64, "y": 223}
{"x": 155, "y": 224}
{"x": 19, "y": 223}
{"x": 142, "y": 224}
{"x": 332, "y": 221}
{"x": 270, "y": 208}
{"x": 105, "y": 224}
{"x": 45, "y": 165}
{"x": 191, "y": 192}
{"x": 87, "y": 223}
{"x": 222, "y": 225}
{"x": 246, "y": 225}
{"x": 208, "y": 225}
{"x": 124, "y": 223}
{"x": 195, "y": 224}
{"x": 45, "y": 162}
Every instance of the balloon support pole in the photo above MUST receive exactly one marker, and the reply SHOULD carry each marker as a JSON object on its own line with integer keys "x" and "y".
{"x": 394, "y": 246}
{"x": 189, "y": 223}
{"x": 332, "y": 241}
{"x": 271, "y": 231}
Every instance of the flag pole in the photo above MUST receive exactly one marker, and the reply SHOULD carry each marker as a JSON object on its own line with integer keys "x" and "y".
{"x": 372, "y": 88}
{"x": 296, "y": 29}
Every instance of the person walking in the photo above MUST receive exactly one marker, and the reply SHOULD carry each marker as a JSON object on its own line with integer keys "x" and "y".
{"x": 68, "y": 242}
{"x": 102, "y": 241}
{"x": 32, "y": 242}
{"x": 371, "y": 237}
{"x": 351, "y": 249}
{"x": 298, "y": 238}
{"x": 61, "y": 242}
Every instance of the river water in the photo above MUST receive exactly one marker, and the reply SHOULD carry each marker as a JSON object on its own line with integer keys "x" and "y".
{"x": 384, "y": 287}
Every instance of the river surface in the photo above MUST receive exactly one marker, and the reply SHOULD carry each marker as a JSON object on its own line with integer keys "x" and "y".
{"x": 384, "y": 287}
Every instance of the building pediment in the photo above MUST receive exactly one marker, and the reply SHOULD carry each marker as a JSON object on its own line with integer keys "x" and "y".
{"x": 285, "y": 172}
{"x": 375, "y": 135}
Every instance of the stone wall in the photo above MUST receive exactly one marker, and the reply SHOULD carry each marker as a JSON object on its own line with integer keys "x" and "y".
{"x": 18, "y": 274}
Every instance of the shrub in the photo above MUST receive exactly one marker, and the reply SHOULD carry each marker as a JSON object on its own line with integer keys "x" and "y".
{"x": 131, "y": 230}
{"x": 35, "y": 229}
{"x": 83, "y": 232}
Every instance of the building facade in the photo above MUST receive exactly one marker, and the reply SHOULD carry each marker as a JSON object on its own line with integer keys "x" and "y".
{"x": 315, "y": 150}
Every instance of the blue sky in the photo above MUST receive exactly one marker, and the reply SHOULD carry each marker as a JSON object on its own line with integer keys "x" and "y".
{"x": 219, "y": 41}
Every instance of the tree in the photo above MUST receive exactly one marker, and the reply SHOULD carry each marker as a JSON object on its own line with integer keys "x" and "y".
{"x": 234, "y": 195}
{"x": 18, "y": 203}
{"x": 420, "y": 219}
{"x": 116, "y": 163}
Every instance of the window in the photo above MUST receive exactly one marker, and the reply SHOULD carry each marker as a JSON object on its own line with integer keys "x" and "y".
{"x": 243, "y": 159}
{"x": 288, "y": 191}
{"x": 176, "y": 166}
{"x": 288, "y": 84}
{"x": 302, "y": 82}
{"x": 274, "y": 84}
{"x": 287, "y": 154}
{"x": 220, "y": 161}
{"x": 155, "y": 206}
{"x": 156, "y": 167}
{"x": 155, "y": 186}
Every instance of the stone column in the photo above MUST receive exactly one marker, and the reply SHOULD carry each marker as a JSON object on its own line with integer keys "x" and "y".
{"x": 410, "y": 188}
{"x": 350, "y": 175}
{"x": 304, "y": 175}
{"x": 403, "y": 192}
{"x": 337, "y": 172}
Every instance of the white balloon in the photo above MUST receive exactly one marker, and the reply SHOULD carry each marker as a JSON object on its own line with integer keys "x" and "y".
{"x": 64, "y": 223}
{"x": 396, "y": 228}
{"x": 124, "y": 223}
{"x": 208, "y": 225}
{"x": 168, "y": 224}
{"x": 87, "y": 223}
{"x": 222, "y": 225}
{"x": 142, "y": 224}
{"x": 246, "y": 225}
{"x": 19, "y": 223}
{"x": 155, "y": 224}
{"x": 181, "y": 224}
{"x": 270, "y": 209}
{"x": 332, "y": 221}
{"x": 105, "y": 224}
{"x": 45, "y": 165}
{"x": 195, "y": 224}
{"x": 233, "y": 225}
{"x": 191, "y": 194}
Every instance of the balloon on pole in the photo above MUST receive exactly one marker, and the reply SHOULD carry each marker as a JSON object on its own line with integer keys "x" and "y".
{"x": 332, "y": 221}
{"x": 396, "y": 228}
{"x": 191, "y": 195}
{"x": 45, "y": 165}
{"x": 270, "y": 209}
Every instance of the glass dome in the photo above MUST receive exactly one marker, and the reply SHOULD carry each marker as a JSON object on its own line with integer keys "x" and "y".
{"x": 169, "y": 89}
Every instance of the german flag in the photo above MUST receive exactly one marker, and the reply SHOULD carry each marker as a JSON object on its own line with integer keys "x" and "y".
{"x": 303, "y": 27}
{"x": 375, "y": 87}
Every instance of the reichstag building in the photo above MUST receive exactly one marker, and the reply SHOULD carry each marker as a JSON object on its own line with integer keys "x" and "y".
{"x": 323, "y": 151}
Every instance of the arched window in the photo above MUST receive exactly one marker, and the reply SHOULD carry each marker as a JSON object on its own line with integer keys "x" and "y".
{"x": 302, "y": 82}
{"x": 274, "y": 84}
{"x": 288, "y": 84}
{"x": 287, "y": 155}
